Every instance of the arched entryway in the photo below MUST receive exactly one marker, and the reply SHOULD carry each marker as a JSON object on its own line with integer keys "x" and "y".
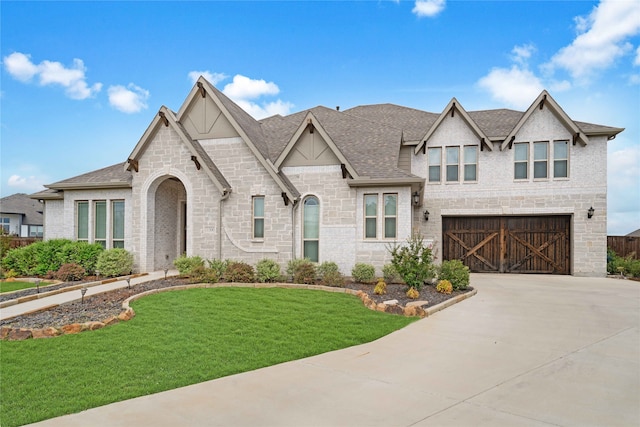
{"x": 166, "y": 222}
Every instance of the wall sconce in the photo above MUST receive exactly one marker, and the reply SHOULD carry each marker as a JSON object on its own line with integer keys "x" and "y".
{"x": 590, "y": 212}
{"x": 426, "y": 215}
{"x": 416, "y": 198}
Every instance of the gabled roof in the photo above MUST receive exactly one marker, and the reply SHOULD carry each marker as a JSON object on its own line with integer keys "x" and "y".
{"x": 545, "y": 100}
{"x": 247, "y": 127}
{"x": 114, "y": 176}
{"x": 22, "y": 204}
{"x": 165, "y": 117}
{"x": 452, "y": 107}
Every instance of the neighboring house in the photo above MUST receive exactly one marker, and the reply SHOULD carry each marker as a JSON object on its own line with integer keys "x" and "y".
{"x": 21, "y": 216}
{"x": 502, "y": 190}
{"x": 634, "y": 233}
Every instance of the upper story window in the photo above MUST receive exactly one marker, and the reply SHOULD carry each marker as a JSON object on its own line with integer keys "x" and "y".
{"x": 540, "y": 159}
{"x": 453, "y": 163}
{"x": 435, "y": 160}
{"x": 370, "y": 216}
{"x": 561, "y": 159}
{"x": 470, "y": 163}
{"x": 258, "y": 217}
{"x": 390, "y": 215}
{"x": 521, "y": 160}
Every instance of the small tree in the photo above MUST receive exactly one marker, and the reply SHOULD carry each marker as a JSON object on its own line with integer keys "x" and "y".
{"x": 413, "y": 261}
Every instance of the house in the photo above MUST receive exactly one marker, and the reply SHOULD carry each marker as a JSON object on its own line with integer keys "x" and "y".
{"x": 503, "y": 190}
{"x": 21, "y": 216}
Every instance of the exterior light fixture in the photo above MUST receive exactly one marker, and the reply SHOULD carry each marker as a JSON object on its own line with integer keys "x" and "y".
{"x": 165, "y": 273}
{"x": 98, "y": 274}
{"x": 128, "y": 282}
{"x": 38, "y": 285}
{"x": 416, "y": 198}
{"x": 426, "y": 215}
{"x": 590, "y": 212}
{"x": 83, "y": 291}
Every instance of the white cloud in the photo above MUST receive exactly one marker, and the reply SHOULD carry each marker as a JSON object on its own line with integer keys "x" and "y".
{"x": 602, "y": 38}
{"x": 130, "y": 99}
{"x": 20, "y": 66}
{"x": 245, "y": 88}
{"x": 73, "y": 79}
{"x": 521, "y": 54}
{"x": 429, "y": 8}
{"x": 266, "y": 109}
{"x": 28, "y": 184}
{"x": 636, "y": 62}
{"x": 213, "y": 78}
{"x": 517, "y": 86}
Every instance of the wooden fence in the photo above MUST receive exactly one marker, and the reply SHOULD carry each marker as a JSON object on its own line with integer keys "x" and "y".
{"x": 18, "y": 242}
{"x": 624, "y": 245}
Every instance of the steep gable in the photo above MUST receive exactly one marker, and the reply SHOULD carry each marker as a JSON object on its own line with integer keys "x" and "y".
{"x": 203, "y": 119}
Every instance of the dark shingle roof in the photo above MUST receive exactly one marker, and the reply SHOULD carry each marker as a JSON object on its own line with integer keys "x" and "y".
{"x": 22, "y": 204}
{"x": 414, "y": 123}
{"x": 114, "y": 176}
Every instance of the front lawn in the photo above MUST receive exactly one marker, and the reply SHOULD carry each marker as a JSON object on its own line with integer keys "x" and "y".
{"x": 18, "y": 285}
{"x": 176, "y": 339}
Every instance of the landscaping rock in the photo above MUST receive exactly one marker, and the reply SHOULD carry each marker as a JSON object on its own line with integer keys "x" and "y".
{"x": 45, "y": 333}
{"x": 19, "y": 334}
{"x": 391, "y": 302}
{"x": 74, "y": 328}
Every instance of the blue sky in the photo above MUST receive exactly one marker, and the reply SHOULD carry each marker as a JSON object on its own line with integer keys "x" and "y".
{"x": 81, "y": 81}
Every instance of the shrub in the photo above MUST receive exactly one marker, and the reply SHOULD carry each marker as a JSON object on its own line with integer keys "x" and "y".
{"x": 70, "y": 272}
{"x": 627, "y": 266}
{"x": 240, "y": 272}
{"x": 455, "y": 272}
{"x": 363, "y": 273}
{"x": 413, "y": 293}
{"x": 115, "y": 262}
{"x": 327, "y": 267}
{"x": 332, "y": 278}
{"x": 413, "y": 262}
{"x": 302, "y": 270}
{"x": 186, "y": 264}
{"x": 444, "y": 287}
{"x": 390, "y": 274}
{"x": 82, "y": 253}
{"x": 202, "y": 274}
{"x": 219, "y": 267}
{"x": 381, "y": 287}
{"x": 267, "y": 270}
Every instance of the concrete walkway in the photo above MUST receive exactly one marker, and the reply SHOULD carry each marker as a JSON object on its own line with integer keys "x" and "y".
{"x": 61, "y": 298}
{"x": 527, "y": 350}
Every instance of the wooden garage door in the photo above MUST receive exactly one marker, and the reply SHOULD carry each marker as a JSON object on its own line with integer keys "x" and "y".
{"x": 537, "y": 244}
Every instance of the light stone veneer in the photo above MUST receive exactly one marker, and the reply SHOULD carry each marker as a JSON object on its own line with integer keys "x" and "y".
{"x": 497, "y": 193}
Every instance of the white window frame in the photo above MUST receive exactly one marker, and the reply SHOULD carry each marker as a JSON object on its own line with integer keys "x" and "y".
{"x": 465, "y": 150}
{"x": 537, "y": 161}
{"x": 452, "y": 165}
{"x": 255, "y": 217}
{"x": 562, "y": 159}
{"x": 386, "y": 216}
{"x": 117, "y": 240}
{"x": 520, "y": 161}
{"x": 373, "y": 217}
{"x": 86, "y": 224}
{"x": 432, "y": 156}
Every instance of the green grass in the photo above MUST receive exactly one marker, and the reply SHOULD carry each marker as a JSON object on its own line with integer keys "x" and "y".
{"x": 176, "y": 339}
{"x": 19, "y": 285}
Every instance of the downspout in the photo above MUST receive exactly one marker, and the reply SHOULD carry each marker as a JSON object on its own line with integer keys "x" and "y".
{"x": 225, "y": 195}
{"x": 293, "y": 229}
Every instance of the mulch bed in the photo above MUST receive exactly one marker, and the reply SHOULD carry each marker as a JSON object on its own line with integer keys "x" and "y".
{"x": 100, "y": 307}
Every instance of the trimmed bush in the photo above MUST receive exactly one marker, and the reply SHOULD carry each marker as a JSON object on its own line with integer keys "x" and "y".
{"x": 239, "y": 272}
{"x": 115, "y": 262}
{"x": 390, "y": 274}
{"x": 219, "y": 267}
{"x": 413, "y": 293}
{"x": 627, "y": 266}
{"x": 187, "y": 264}
{"x": 363, "y": 273}
{"x": 327, "y": 267}
{"x": 302, "y": 270}
{"x": 202, "y": 274}
{"x": 332, "y": 278}
{"x": 70, "y": 273}
{"x": 267, "y": 270}
{"x": 82, "y": 253}
{"x": 444, "y": 287}
{"x": 413, "y": 262}
{"x": 455, "y": 272}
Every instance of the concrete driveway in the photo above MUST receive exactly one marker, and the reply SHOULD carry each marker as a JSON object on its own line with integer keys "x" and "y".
{"x": 527, "y": 350}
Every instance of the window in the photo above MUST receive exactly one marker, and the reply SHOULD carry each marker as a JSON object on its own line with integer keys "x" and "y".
{"x": 117, "y": 223}
{"x": 82, "y": 228}
{"x": 5, "y": 222}
{"x": 100, "y": 230}
{"x": 35, "y": 231}
{"x": 390, "y": 215}
{"x": 470, "y": 163}
{"x": 370, "y": 216}
{"x": 561, "y": 159}
{"x": 435, "y": 159}
{"x": 540, "y": 159}
{"x": 453, "y": 160}
{"x": 311, "y": 229}
{"x": 521, "y": 160}
{"x": 258, "y": 217}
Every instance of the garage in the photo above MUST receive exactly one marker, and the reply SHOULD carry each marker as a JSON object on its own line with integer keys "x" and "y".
{"x": 509, "y": 244}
